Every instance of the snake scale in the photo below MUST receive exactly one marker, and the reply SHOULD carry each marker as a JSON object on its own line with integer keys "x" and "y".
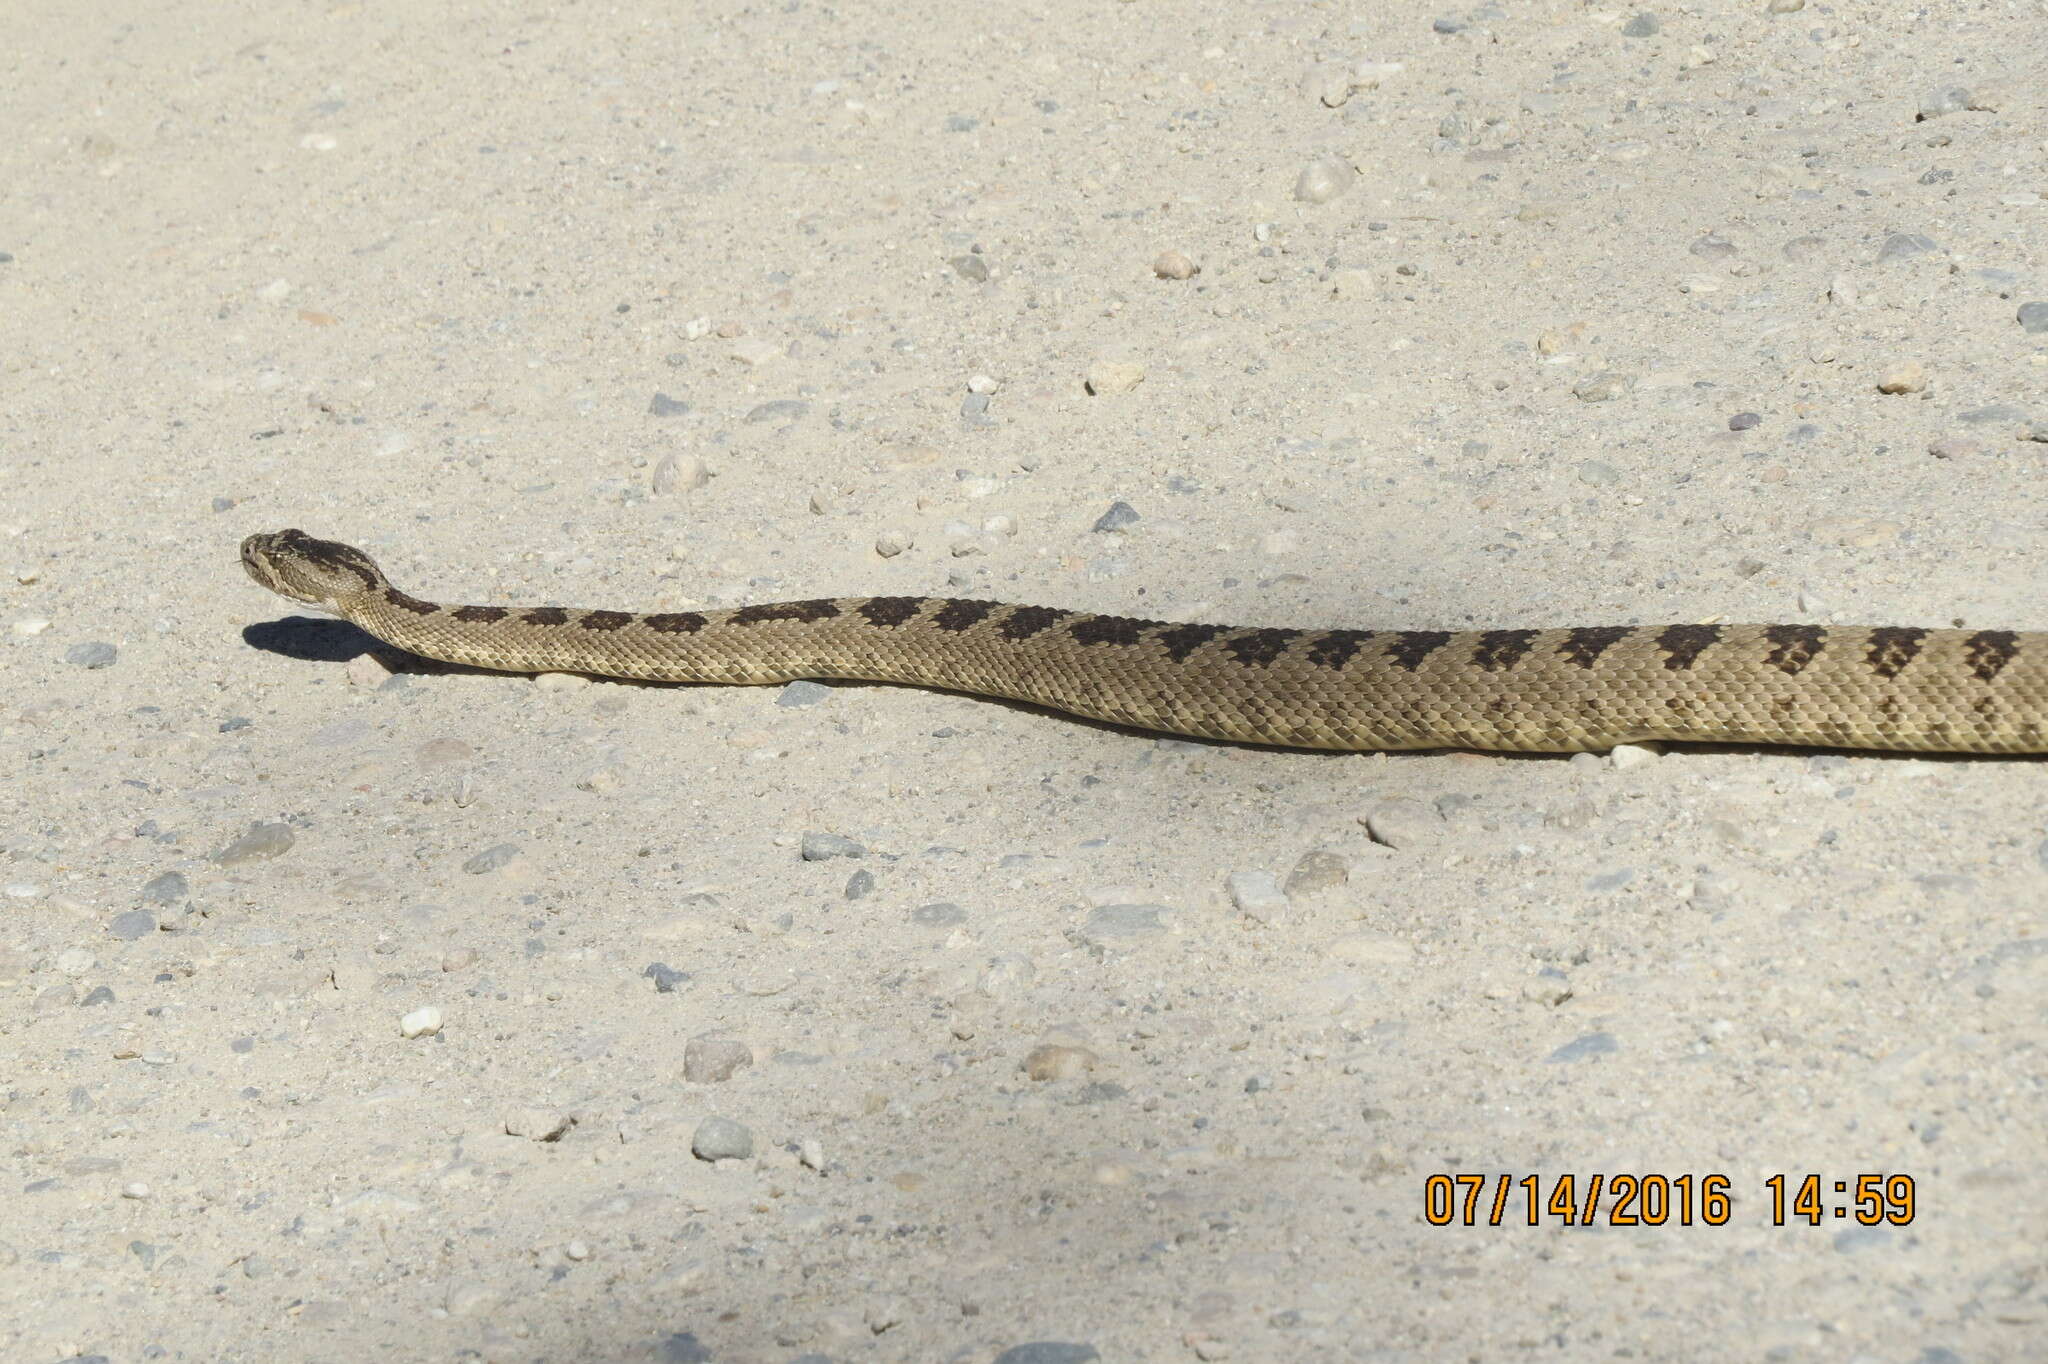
{"x": 1540, "y": 691}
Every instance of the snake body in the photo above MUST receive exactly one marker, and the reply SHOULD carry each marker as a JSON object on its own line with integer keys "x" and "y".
{"x": 1542, "y": 691}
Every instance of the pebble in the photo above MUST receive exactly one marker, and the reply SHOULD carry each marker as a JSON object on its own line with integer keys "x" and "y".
{"x": 1579, "y": 1048}
{"x": 784, "y": 410}
{"x": 1713, "y": 246}
{"x": 1642, "y": 26}
{"x": 1625, "y": 757}
{"x": 665, "y": 977}
{"x": 822, "y": 847}
{"x": 1174, "y": 265}
{"x": 536, "y": 1123}
{"x": 1114, "y": 376}
{"x": 1119, "y": 515}
{"x": 29, "y": 626}
{"x": 1955, "y": 447}
{"x": 1257, "y": 895}
{"x": 892, "y": 542}
{"x": 709, "y": 1060}
{"x": 95, "y": 654}
{"x": 802, "y": 693}
{"x": 555, "y": 684}
{"x": 940, "y": 915}
{"x": 492, "y": 859}
{"x": 136, "y": 923}
{"x": 1603, "y": 387}
{"x": 1316, "y": 871}
{"x": 261, "y": 843}
{"x": 721, "y": 1139}
{"x": 1599, "y": 473}
{"x": 2033, "y": 317}
{"x": 1904, "y": 246}
{"x": 661, "y": 405}
{"x": 1324, "y": 179}
{"x": 1049, "y": 1352}
{"x": 1745, "y": 421}
{"x": 679, "y": 473}
{"x": 1054, "y": 1062}
{"x": 1121, "y": 927}
{"x": 166, "y": 889}
{"x": 971, "y": 268}
{"x": 859, "y": 885}
{"x": 1402, "y": 822}
{"x": 421, "y": 1022}
{"x": 1944, "y": 100}
{"x": 1906, "y": 376}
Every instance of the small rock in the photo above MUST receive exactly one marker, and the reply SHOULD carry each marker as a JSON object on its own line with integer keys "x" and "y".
{"x": 2033, "y": 317}
{"x": 136, "y": 923}
{"x": 661, "y": 405}
{"x": 96, "y": 654}
{"x": 1049, "y": 1352}
{"x": 1174, "y": 265}
{"x": 1949, "y": 99}
{"x": 262, "y": 842}
{"x": 1744, "y": 421}
{"x": 1317, "y": 871}
{"x": 1603, "y": 387}
{"x": 1052, "y": 1062}
{"x": 1642, "y": 26}
{"x": 712, "y": 1060}
{"x": 679, "y": 473}
{"x": 822, "y": 847}
{"x": 890, "y": 543}
{"x": 1955, "y": 447}
{"x": 538, "y": 1124}
{"x": 971, "y": 268}
{"x": 1122, "y": 927}
{"x": 1257, "y": 895}
{"x": 784, "y": 410}
{"x": 1904, "y": 246}
{"x": 421, "y": 1022}
{"x": 1401, "y": 822}
{"x": 1579, "y": 1048}
{"x": 721, "y": 1139}
{"x": 1628, "y": 756}
{"x": 1114, "y": 376}
{"x": 1907, "y": 376}
{"x": 1322, "y": 180}
{"x": 491, "y": 859}
{"x": 1119, "y": 515}
{"x": 166, "y": 889}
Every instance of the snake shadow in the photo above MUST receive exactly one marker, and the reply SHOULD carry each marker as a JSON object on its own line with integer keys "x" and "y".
{"x": 322, "y": 639}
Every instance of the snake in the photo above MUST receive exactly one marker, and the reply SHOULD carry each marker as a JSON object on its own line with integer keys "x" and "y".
{"x": 1567, "y": 690}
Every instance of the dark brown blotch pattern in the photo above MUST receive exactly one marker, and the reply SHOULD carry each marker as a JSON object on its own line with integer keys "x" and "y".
{"x": 1026, "y": 621}
{"x": 481, "y": 615}
{"x": 1499, "y": 650}
{"x": 546, "y": 615}
{"x": 1181, "y": 640}
{"x": 889, "y": 612}
{"x": 1988, "y": 651}
{"x": 1892, "y": 647}
{"x": 958, "y": 614}
{"x": 1683, "y": 644}
{"x": 674, "y": 622}
{"x": 606, "y": 620}
{"x": 1124, "y": 631}
{"x": 805, "y": 612}
{"x": 1410, "y": 647}
{"x": 409, "y": 603}
{"x": 1334, "y": 648}
{"x": 1258, "y": 648}
{"x": 1583, "y": 646}
{"x": 1793, "y": 647}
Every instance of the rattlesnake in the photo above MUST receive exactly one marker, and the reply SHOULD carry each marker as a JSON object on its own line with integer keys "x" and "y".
{"x": 1544, "y": 691}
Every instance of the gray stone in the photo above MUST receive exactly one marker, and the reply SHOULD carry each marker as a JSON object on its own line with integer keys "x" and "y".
{"x": 780, "y": 410}
{"x": 1579, "y": 1048}
{"x": 665, "y": 977}
{"x": 802, "y": 694}
{"x": 971, "y": 268}
{"x": 1904, "y": 246}
{"x": 2033, "y": 317}
{"x": 1744, "y": 421}
{"x": 860, "y": 885}
{"x": 940, "y": 915}
{"x": 491, "y": 859}
{"x": 1642, "y": 26}
{"x": 136, "y": 923}
{"x": 664, "y": 406}
{"x": 1119, "y": 515}
{"x": 167, "y": 889}
{"x": 95, "y": 654}
{"x": 819, "y": 847}
{"x": 1051, "y": 1351}
{"x": 721, "y": 1139}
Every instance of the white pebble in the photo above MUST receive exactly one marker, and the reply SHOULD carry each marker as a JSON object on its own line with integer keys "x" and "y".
{"x": 1257, "y": 895}
{"x": 892, "y": 542}
{"x": 1626, "y": 756}
{"x": 679, "y": 473}
{"x": 812, "y": 1153}
{"x": 136, "y": 1190}
{"x": 1174, "y": 265}
{"x": 561, "y": 682}
{"x": 1907, "y": 376}
{"x": 421, "y": 1022}
{"x": 981, "y": 383}
{"x": 32, "y": 625}
{"x": 1322, "y": 181}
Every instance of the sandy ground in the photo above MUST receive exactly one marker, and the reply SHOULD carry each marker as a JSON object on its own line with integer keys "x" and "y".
{"x": 1529, "y": 314}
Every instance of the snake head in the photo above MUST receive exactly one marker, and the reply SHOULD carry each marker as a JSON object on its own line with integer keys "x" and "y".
{"x": 319, "y": 573}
